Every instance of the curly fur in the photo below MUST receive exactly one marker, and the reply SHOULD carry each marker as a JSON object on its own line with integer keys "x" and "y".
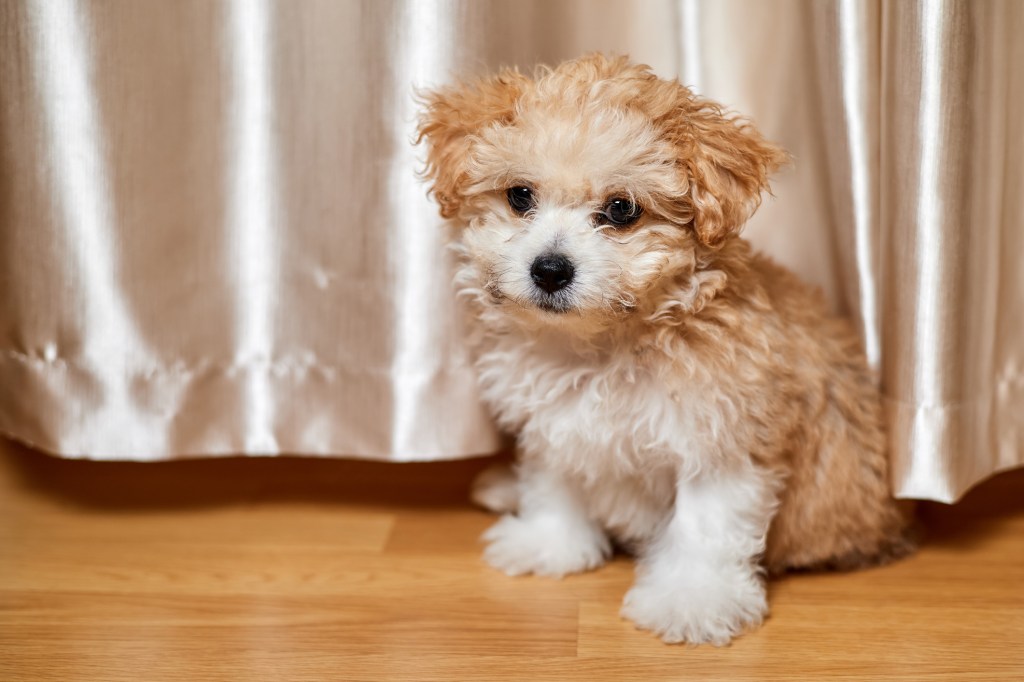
{"x": 691, "y": 400}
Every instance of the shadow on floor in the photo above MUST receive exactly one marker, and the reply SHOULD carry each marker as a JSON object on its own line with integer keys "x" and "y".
{"x": 233, "y": 480}
{"x": 984, "y": 511}
{"x": 224, "y": 481}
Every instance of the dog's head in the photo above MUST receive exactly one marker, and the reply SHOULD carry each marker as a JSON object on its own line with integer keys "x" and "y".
{"x": 592, "y": 188}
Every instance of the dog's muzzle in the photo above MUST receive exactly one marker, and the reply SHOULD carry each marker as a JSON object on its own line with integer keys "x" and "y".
{"x": 552, "y": 272}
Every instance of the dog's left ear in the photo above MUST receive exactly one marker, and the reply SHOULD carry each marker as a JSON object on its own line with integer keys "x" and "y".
{"x": 727, "y": 163}
{"x": 452, "y": 116}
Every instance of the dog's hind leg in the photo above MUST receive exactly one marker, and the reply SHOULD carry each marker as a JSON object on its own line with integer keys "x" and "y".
{"x": 496, "y": 489}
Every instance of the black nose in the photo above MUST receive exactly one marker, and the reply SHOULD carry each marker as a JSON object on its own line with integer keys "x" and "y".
{"x": 552, "y": 272}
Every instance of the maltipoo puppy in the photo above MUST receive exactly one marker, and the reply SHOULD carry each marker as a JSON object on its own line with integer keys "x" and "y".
{"x": 671, "y": 390}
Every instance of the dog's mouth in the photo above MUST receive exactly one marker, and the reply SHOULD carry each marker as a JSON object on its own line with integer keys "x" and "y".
{"x": 553, "y": 304}
{"x": 557, "y": 304}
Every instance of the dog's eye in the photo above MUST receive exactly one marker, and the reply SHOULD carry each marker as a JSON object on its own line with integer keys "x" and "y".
{"x": 622, "y": 212}
{"x": 521, "y": 199}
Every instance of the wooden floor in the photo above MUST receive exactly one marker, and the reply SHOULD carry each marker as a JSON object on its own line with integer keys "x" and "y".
{"x": 297, "y": 569}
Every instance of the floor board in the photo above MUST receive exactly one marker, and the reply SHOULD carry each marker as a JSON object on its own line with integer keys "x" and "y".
{"x": 305, "y": 569}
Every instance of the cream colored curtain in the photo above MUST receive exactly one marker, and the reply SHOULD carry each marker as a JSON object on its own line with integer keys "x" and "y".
{"x": 212, "y": 239}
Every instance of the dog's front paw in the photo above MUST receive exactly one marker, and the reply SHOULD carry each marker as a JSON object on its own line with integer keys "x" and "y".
{"x": 710, "y": 609}
{"x": 545, "y": 545}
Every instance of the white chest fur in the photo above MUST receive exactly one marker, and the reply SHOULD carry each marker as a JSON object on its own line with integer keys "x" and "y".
{"x": 603, "y": 415}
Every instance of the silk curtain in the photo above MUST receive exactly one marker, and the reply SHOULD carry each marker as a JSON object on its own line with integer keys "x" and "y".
{"x": 213, "y": 241}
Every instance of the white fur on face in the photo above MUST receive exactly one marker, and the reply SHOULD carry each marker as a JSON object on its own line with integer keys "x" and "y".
{"x": 611, "y": 270}
{"x": 574, "y": 167}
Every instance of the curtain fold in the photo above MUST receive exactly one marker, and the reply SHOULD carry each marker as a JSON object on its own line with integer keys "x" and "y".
{"x": 213, "y": 239}
{"x": 951, "y": 201}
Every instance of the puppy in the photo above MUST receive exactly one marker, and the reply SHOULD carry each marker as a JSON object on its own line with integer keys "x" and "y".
{"x": 672, "y": 391}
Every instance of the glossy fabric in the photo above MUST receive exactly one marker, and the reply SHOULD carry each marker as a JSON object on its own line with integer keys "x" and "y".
{"x": 212, "y": 238}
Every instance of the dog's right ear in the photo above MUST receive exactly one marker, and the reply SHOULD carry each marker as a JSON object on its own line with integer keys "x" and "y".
{"x": 451, "y": 117}
{"x": 726, "y": 162}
